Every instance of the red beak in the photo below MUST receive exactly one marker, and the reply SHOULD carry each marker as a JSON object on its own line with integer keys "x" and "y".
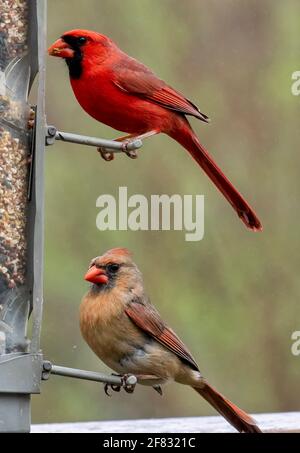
{"x": 96, "y": 275}
{"x": 61, "y": 49}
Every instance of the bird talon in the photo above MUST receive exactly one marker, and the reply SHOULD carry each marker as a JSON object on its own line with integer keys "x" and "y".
{"x": 115, "y": 388}
{"x": 158, "y": 389}
{"x": 124, "y": 145}
{"x": 130, "y": 153}
{"x": 106, "y": 387}
{"x": 129, "y": 388}
{"x": 106, "y": 155}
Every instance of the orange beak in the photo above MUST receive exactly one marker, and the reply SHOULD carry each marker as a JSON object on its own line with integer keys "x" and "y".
{"x": 61, "y": 49}
{"x": 96, "y": 275}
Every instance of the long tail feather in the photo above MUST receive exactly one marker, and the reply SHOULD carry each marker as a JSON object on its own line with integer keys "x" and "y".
{"x": 187, "y": 138}
{"x": 234, "y": 415}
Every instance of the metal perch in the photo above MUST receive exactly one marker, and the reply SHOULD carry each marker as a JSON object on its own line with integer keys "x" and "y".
{"x": 53, "y": 134}
{"x": 118, "y": 381}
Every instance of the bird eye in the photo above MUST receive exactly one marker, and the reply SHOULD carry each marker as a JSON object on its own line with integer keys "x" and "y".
{"x": 82, "y": 40}
{"x": 113, "y": 268}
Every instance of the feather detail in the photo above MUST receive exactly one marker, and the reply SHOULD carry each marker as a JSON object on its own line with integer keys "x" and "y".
{"x": 147, "y": 318}
{"x": 136, "y": 79}
{"x": 243, "y": 422}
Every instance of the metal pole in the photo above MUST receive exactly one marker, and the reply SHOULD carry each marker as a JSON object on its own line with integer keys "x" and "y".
{"x": 112, "y": 145}
{"x": 86, "y": 375}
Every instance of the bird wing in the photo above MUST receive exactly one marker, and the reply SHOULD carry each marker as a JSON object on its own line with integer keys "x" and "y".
{"x": 136, "y": 79}
{"x": 147, "y": 318}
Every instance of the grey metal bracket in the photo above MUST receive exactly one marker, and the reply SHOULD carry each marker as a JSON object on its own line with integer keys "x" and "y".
{"x": 52, "y": 134}
{"x": 20, "y": 376}
{"x": 25, "y": 382}
{"x": 128, "y": 384}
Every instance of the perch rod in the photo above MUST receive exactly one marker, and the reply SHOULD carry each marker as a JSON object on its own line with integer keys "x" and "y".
{"x": 53, "y": 134}
{"x": 48, "y": 369}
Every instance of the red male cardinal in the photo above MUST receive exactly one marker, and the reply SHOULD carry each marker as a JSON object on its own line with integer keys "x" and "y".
{"x": 127, "y": 333}
{"x": 123, "y": 93}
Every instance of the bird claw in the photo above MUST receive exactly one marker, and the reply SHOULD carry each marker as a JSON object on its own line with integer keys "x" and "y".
{"x": 115, "y": 388}
{"x": 129, "y": 388}
{"x": 106, "y": 387}
{"x": 158, "y": 389}
{"x": 109, "y": 156}
{"x": 130, "y": 153}
{"x": 106, "y": 155}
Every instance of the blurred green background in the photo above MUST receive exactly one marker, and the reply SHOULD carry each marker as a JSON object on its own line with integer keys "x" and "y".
{"x": 233, "y": 297}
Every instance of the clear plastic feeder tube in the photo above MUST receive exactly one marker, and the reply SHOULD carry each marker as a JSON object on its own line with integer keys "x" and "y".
{"x": 14, "y": 174}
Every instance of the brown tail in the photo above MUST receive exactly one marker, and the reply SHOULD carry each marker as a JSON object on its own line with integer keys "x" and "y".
{"x": 235, "y": 416}
{"x": 187, "y": 138}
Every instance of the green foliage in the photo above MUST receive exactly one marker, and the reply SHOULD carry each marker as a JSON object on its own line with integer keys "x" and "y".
{"x": 233, "y": 297}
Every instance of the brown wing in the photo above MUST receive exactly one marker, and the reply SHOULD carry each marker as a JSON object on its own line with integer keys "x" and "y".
{"x": 135, "y": 78}
{"x": 147, "y": 318}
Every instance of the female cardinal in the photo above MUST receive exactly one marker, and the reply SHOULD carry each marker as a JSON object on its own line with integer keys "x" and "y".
{"x": 123, "y": 93}
{"x": 127, "y": 333}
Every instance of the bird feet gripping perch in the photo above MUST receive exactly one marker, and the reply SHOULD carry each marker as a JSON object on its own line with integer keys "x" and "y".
{"x": 105, "y": 154}
{"x": 132, "y": 153}
{"x": 128, "y": 382}
{"x": 109, "y": 156}
{"x": 127, "y": 142}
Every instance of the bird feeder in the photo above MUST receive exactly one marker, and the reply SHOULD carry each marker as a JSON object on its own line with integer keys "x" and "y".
{"x": 23, "y": 136}
{"x": 22, "y": 50}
